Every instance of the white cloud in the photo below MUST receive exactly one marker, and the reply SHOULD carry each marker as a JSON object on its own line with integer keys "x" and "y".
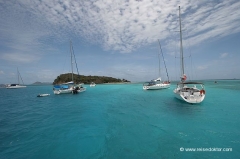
{"x": 1, "y": 72}
{"x": 223, "y": 55}
{"x": 212, "y": 21}
{"x": 118, "y": 25}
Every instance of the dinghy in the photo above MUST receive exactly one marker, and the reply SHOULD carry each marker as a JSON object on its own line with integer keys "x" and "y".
{"x": 43, "y": 95}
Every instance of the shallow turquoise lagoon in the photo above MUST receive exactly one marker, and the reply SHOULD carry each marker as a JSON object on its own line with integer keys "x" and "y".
{"x": 120, "y": 121}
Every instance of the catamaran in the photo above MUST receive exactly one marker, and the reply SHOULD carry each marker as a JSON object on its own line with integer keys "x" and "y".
{"x": 16, "y": 86}
{"x": 69, "y": 87}
{"x": 157, "y": 83}
{"x": 190, "y": 92}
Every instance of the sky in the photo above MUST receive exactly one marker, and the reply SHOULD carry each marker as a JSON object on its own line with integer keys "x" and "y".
{"x": 119, "y": 38}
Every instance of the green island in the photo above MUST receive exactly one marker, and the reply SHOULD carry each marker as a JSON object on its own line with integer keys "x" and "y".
{"x": 63, "y": 78}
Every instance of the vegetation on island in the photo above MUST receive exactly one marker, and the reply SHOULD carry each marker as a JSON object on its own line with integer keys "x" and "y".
{"x": 63, "y": 78}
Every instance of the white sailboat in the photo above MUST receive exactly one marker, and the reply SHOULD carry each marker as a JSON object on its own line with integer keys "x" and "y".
{"x": 92, "y": 84}
{"x": 157, "y": 83}
{"x": 16, "y": 86}
{"x": 69, "y": 87}
{"x": 190, "y": 92}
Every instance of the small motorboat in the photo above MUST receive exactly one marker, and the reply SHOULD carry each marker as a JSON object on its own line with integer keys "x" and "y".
{"x": 43, "y": 95}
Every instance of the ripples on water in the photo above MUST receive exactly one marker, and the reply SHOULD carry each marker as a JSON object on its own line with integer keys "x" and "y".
{"x": 118, "y": 121}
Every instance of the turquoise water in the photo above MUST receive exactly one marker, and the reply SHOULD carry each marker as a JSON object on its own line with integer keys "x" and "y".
{"x": 119, "y": 121}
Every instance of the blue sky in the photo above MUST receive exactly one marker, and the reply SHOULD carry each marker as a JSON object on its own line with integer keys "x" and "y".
{"x": 118, "y": 38}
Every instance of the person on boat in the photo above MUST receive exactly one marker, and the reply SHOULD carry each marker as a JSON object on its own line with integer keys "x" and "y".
{"x": 184, "y": 77}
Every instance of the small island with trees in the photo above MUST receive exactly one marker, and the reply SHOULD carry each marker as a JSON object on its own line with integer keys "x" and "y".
{"x": 63, "y": 78}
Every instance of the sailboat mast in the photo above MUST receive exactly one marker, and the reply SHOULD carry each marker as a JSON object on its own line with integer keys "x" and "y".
{"x": 18, "y": 75}
{"x": 159, "y": 70}
{"x": 181, "y": 47}
{"x": 163, "y": 58}
{"x": 71, "y": 58}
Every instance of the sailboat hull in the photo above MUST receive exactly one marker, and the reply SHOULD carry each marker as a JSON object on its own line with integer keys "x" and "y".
{"x": 188, "y": 96}
{"x": 156, "y": 86}
{"x": 15, "y": 87}
{"x": 82, "y": 90}
{"x": 92, "y": 85}
{"x": 62, "y": 91}
{"x": 70, "y": 90}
